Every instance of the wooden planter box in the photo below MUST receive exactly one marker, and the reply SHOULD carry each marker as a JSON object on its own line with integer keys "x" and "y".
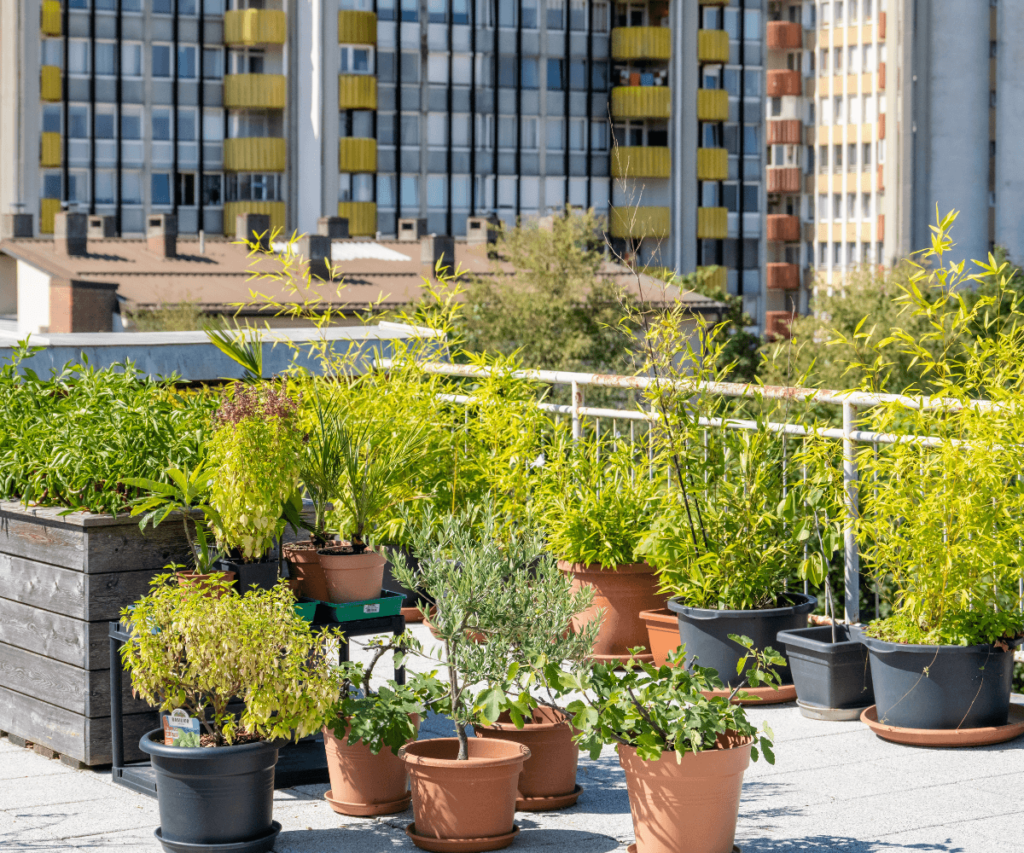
{"x": 62, "y": 579}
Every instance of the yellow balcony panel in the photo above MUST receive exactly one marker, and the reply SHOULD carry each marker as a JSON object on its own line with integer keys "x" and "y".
{"x": 273, "y": 209}
{"x": 712, "y": 46}
{"x": 355, "y": 27}
{"x": 50, "y": 149}
{"x": 357, "y": 92}
{"x": 254, "y": 91}
{"x": 712, "y": 105}
{"x": 642, "y": 43}
{"x": 357, "y": 155}
{"x": 640, "y": 222}
{"x": 637, "y": 161}
{"x": 255, "y": 154}
{"x": 48, "y": 209}
{"x": 712, "y": 164}
{"x": 716, "y": 278}
{"x": 255, "y": 26}
{"x": 641, "y": 101}
{"x": 51, "y": 88}
{"x": 361, "y": 216}
{"x": 712, "y": 223}
{"x": 51, "y": 18}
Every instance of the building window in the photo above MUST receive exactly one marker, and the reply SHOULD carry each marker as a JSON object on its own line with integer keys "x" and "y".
{"x": 865, "y": 205}
{"x": 160, "y": 188}
{"x": 78, "y": 56}
{"x": 437, "y": 130}
{"x": 555, "y": 80}
{"x": 245, "y": 186}
{"x": 460, "y": 11}
{"x": 187, "y": 69}
{"x": 161, "y": 124}
{"x": 131, "y": 188}
{"x": 78, "y": 122}
{"x": 105, "y": 125}
{"x": 131, "y": 59}
{"x": 52, "y": 118}
{"x": 556, "y": 14}
{"x": 506, "y": 132}
{"x": 578, "y": 15}
{"x": 106, "y": 58}
{"x": 410, "y": 11}
{"x": 578, "y": 74}
{"x": 528, "y": 133}
{"x": 823, "y": 207}
{"x": 555, "y": 133}
{"x": 385, "y": 10}
{"x": 529, "y": 12}
{"x": 837, "y": 206}
{"x": 212, "y": 190}
{"x": 160, "y": 60}
{"x": 776, "y": 107}
{"x": 822, "y": 254}
{"x": 359, "y": 60}
{"x": 577, "y": 134}
{"x": 104, "y": 187}
{"x": 437, "y": 12}
{"x": 131, "y": 124}
{"x": 529, "y": 73}
{"x": 599, "y": 76}
{"x": 599, "y": 136}
{"x": 186, "y": 189}
{"x": 601, "y": 16}
{"x": 507, "y": 71}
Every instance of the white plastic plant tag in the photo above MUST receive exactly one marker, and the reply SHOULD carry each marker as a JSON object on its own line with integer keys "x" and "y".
{"x": 180, "y": 729}
{"x": 371, "y": 608}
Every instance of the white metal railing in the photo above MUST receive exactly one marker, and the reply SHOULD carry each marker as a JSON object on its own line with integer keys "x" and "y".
{"x": 850, "y": 401}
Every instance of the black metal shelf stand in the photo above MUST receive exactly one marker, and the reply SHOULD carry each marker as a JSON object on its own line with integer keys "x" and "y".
{"x": 302, "y": 763}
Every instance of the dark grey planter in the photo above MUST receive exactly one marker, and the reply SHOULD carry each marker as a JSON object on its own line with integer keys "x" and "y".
{"x": 252, "y": 575}
{"x": 214, "y": 799}
{"x": 829, "y": 676}
{"x": 706, "y": 632}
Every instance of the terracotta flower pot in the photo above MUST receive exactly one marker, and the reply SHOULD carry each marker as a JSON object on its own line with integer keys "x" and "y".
{"x": 352, "y": 577}
{"x": 364, "y": 784}
{"x": 622, "y": 592}
{"x": 548, "y": 780}
{"x": 662, "y": 633}
{"x": 471, "y": 801}
{"x": 695, "y": 801}
{"x": 189, "y": 579}
{"x": 305, "y": 563}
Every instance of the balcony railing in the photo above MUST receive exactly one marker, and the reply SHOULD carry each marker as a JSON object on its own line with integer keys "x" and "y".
{"x": 787, "y": 131}
{"x": 712, "y": 46}
{"x": 51, "y": 86}
{"x": 717, "y": 278}
{"x": 640, "y": 222}
{"x": 51, "y": 18}
{"x": 777, "y": 323}
{"x": 255, "y": 26}
{"x": 641, "y": 102}
{"x": 50, "y": 149}
{"x": 782, "y": 228}
{"x": 274, "y": 209}
{"x": 783, "y": 276}
{"x": 356, "y": 27}
{"x": 784, "y": 35}
{"x": 712, "y": 105}
{"x": 254, "y": 91}
{"x": 712, "y": 223}
{"x": 641, "y": 161}
{"x": 255, "y": 154}
{"x": 357, "y": 92}
{"x": 782, "y": 81}
{"x": 48, "y": 209}
{"x": 641, "y": 43}
{"x": 712, "y": 164}
{"x": 361, "y": 216}
{"x": 357, "y": 155}
{"x": 785, "y": 179}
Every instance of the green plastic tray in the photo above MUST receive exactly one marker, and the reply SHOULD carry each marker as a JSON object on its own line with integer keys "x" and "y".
{"x": 305, "y": 609}
{"x": 389, "y": 604}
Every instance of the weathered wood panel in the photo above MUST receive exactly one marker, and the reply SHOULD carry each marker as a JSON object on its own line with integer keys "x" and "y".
{"x": 78, "y": 690}
{"x": 74, "y": 735}
{"x": 47, "y": 541}
{"x": 63, "y": 638}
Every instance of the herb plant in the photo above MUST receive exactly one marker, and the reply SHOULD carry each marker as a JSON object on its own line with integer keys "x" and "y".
{"x": 200, "y": 647}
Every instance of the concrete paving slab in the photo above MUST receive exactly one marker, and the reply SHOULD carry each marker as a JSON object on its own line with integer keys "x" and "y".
{"x": 18, "y": 762}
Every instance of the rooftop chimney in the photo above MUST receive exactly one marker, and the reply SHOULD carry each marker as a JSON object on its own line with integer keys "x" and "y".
{"x": 253, "y": 228}
{"x": 70, "y": 232}
{"x": 101, "y": 227}
{"x": 316, "y": 249}
{"x": 15, "y": 225}
{"x": 162, "y": 234}
{"x": 333, "y": 227}
{"x": 480, "y": 229}
{"x": 435, "y": 248}
{"x": 410, "y": 230}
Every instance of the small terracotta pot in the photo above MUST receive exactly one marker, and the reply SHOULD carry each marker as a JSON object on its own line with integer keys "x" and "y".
{"x": 550, "y": 771}
{"x": 305, "y": 562}
{"x": 364, "y": 784}
{"x": 662, "y": 633}
{"x": 622, "y": 592}
{"x": 188, "y": 579}
{"x": 694, "y": 802}
{"x": 353, "y": 577}
{"x": 472, "y": 800}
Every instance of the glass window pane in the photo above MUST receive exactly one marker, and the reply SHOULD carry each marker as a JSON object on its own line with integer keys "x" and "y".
{"x": 212, "y": 189}
{"x": 161, "y": 124}
{"x": 555, "y": 134}
{"x": 104, "y": 125}
{"x": 186, "y": 125}
{"x": 186, "y": 62}
{"x": 78, "y": 122}
{"x": 554, "y": 74}
{"x": 556, "y": 14}
{"x": 51, "y": 118}
{"x": 213, "y": 63}
{"x": 106, "y": 53}
{"x": 160, "y": 188}
{"x": 578, "y": 74}
{"x": 529, "y": 74}
{"x": 161, "y": 60}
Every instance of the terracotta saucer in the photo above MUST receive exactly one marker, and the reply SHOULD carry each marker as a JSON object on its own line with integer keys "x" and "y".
{"x": 764, "y": 695}
{"x": 548, "y": 804}
{"x": 461, "y": 845}
{"x": 947, "y": 737}
{"x": 632, "y": 848}
{"x": 412, "y": 614}
{"x": 368, "y": 809}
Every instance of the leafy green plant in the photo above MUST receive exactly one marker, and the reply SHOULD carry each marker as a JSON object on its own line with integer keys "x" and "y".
{"x": 74, "y": 438}
{"x": 254, "y": 456}
{"x": 321, "y": 467}
{"x": 663, "y": 709}
{"x": 597, "y": 501}
{"x": 200, "y": 647}
{"x": 500, "y": 604}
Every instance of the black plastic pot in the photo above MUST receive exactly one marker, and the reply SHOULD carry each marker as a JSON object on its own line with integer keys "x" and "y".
{"x": 829, "y": 675}
{"x": 940, "y": 687}
{"x": 218, "y": 798}
{"x": 706, "y": 632}
{"x": 249, "y": 575}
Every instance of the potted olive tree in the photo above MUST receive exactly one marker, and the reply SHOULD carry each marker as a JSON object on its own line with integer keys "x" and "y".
{"x": 193, "y": 654}
{"x": 489, "y": 581}
{"x": 684, "y": 751}
{"x": 597, "y": 503}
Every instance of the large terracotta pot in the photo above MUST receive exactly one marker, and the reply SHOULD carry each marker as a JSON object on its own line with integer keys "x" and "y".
{"x": 472, "y": 802}
{"x": 691, "y": 804}
{"x": 662, "y": 633}
{"x": 622, "y": 592}
{"x": 353, "y": 577}
{"x": 548, "y": 780}
{"x": 305, "y": 562}
{"x": 364, "y": 784}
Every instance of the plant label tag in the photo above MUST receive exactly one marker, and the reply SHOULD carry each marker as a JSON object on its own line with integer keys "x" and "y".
{"x": 371, "y": 608}
{"x": 180, "y": 729}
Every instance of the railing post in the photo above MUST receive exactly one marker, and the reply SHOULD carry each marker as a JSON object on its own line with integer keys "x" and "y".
{"x": 852, "y": 554}
{"x": 577, "y": 401}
